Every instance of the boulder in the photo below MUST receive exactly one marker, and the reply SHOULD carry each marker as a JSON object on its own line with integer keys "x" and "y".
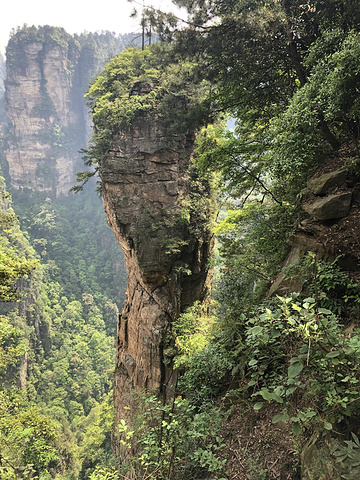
{"x": 321, "y": 185}
{"x": 330, "y": 207}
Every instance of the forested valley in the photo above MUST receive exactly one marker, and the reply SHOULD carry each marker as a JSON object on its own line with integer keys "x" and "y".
{"x": 265, "y": 95}
{"x": 62, "y": 282}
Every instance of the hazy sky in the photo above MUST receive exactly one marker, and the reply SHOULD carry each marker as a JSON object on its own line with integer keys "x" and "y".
{"x": 75, "y": 16}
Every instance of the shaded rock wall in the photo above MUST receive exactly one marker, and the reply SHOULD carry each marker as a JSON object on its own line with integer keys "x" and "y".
{"x": 332, "y": 227}
{"x": 48, "y": 73}
{"x": 43, "y": 119}
{"x": 148, "y": 185}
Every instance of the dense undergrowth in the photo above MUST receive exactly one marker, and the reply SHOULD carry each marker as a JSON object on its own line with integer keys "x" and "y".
{"x": 58, "y": 330}
{"x": 288, "y": 73}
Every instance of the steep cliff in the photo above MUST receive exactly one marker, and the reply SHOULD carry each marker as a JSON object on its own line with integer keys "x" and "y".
{"x": 146, "y": 183}
{"x": 40, "y": 77}
{"x": 2, "y": 74}
{"x": 160, "y": 210}
{"x": 48, "y": 71}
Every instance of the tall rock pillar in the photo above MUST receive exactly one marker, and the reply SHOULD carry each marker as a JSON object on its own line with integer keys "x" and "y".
{"x": 158, "y": 208}
{"x": 43, "y": 118}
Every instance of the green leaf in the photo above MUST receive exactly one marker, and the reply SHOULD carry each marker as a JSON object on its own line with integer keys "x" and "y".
{"x": 296, "y": 307}
{"x": 296, "y": 428}
{"x": 310, "y": 300}
{"x": 295, "y": 368}
{"x": 275, "y": 333}
{"x": 252, "y": 362}
{"x": 255, "y": 330}
{"x": 258, "y": 405}
{"x": 325, "y": 311}
{"x": 356, "y": 439}
{"x": 277, "y": 398}
{"x": 327, "y": 425}
{"x": 333, "y": 354}
{"x": 266, "y": 394}
{"x": 281, "y": 417}
{"x": 269, "y": 396}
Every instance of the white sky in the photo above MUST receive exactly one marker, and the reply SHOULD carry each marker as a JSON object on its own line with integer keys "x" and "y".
{"x": 75, "y": 16}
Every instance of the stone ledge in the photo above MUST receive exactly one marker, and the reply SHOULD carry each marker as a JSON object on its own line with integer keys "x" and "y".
{"x": 330, "y": 207}
{"x": 321, "y": 185}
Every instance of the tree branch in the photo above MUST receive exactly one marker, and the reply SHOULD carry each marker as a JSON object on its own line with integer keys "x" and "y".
{"x": 258, "y": 179}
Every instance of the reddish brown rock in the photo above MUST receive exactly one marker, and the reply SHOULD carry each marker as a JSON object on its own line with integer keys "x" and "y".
{"x": 149, "y": 194}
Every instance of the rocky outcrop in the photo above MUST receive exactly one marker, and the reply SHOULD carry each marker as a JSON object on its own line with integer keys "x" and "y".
{"x": 320, "y": 185}
{"x": 42, "y": 118}
{"x": 48, "y": 73}
{"x": 331, "y": 229}
{"x": 151, "y": 199}
{"x": 330, "y": 207}
{"x": 323, "y": 204}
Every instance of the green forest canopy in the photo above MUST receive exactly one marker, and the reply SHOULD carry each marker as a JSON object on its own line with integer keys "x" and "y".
{"x": 288, "y": 72}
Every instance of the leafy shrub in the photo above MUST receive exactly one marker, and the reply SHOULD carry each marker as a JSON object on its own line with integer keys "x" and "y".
{"x": 300, "y": 349}
{"x": 104, "y": 473}
{"x": 348, "y": 458}
{"x": 201, "y": 355}
{"x": 331, "y": 286}
{"x": 172, "y": 93}
{"x": 176, "y": 441}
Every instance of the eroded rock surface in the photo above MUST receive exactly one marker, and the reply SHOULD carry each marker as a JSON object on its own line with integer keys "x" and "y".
{"x": 321, "y": 184}
{"x": 152, "y": 196}
{"x": 43, "y": 119}
{"x": 330, "y": 207}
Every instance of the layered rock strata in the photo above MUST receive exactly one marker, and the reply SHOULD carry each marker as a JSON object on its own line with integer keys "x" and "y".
{"x": 47, "y": 74}
{"x": 150, "y": 197}
{"x": 331, "y": 230}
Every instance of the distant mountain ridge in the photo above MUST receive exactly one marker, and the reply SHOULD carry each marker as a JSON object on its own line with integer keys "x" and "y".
{"x": 47, "y": 74}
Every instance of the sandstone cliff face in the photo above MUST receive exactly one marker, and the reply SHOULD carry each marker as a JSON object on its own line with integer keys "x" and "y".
{"x": 42, "y": 118}
{"x": 48, "y": 73}
{"x": 147, "y": 187}
{"x": 2, "y": 74}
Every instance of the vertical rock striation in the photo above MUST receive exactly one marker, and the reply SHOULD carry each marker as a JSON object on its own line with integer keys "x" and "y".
{"x": 42, "y": 116}
{"x": 151, "y": 195}
{"x": 48, "y": 72}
